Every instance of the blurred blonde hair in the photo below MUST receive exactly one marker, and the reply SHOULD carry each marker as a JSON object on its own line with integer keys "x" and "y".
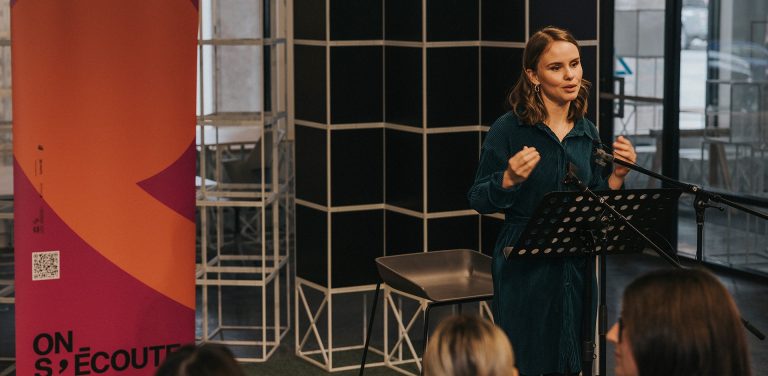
{"x": 468, "y": 345}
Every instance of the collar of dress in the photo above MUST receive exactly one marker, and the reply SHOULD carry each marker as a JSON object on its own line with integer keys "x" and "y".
{"x": 579, "y": 129}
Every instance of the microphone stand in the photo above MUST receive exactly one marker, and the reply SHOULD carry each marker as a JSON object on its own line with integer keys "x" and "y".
{"x": 572, "y": 179}
{"x": 702, "y": 199}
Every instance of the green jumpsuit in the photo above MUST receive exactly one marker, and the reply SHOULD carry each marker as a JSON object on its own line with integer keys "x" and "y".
{"x": 537, "y": 301}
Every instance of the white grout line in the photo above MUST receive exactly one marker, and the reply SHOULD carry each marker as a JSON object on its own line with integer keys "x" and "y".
{"x": 597, "y": 75}
{"x": 382, "y": 206}
{"x": 527, "y": 19}
{"x": 451, "y": 214}
{"x": 404, "y": 43}
{"x": 424, "y": 119}
{"x": 310, "y": 124}
{"x": 457, "y": 129}
{"x": 479, "y": 102}
{"x": 328, "y": 176}
{"x": 383, "y": 132}
{"x": 408, "y": 212}
{"x": 349, "y": 126}
{"x": 356, "y": 208}
{"x": 489, "y": 43}
{"x": 398, "y": 127}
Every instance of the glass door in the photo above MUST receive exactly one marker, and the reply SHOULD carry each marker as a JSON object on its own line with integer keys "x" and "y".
{"x": 638, "y": 91}
{"x": 716, "y": 135}
{"x": 723, "y": 132}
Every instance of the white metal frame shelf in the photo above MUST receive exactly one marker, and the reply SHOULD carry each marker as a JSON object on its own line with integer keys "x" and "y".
{"x": 304, "y": 309}
{"x": 245, "y": 237}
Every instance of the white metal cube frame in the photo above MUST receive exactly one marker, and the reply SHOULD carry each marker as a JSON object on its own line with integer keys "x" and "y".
{"x": 227, "y": 128}
{"x": 314, "y": 341}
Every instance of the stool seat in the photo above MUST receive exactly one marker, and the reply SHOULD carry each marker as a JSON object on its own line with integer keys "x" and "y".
{"x": 439, "y": 276}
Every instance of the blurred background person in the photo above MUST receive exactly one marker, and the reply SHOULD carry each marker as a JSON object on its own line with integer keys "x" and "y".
{"x": 469, "y": 346}
{"x": 209, "y": 359}
{"x": 679, "y": 322}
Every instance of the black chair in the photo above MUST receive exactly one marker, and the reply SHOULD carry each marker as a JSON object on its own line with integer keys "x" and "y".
{"x": 440, "y": 277}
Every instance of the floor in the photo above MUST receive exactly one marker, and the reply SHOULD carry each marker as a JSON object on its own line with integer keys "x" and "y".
{"x": 750, "y": 294}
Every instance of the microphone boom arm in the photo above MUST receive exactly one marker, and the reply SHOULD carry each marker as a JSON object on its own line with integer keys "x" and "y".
{"x": 701, "y": 194}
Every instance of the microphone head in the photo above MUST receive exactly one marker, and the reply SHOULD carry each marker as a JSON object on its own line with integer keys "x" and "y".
{"x": 603, "y": 156}
{"x": 597, "y": 152}
{"x": 600, "y": 162}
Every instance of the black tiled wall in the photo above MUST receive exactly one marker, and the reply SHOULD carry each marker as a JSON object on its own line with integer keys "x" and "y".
{"x": 404, "y": 86}
{"x": 503, "y": 20}
{"x": 308, "y": 20}
{"x": 402, "y": 20}
{"x": 309, "y": 75}
{"x": 578, "y": 17}
{"x": 357, "y": 167}
{"x": 356, "y": 84}
{"x": 312, "y": 244}
{"x": 404, "y": 171}
{"x": 500, "y": 70}
{"x": 452, "y": 20}
{"x": 404, "y": 233}
{"x": 356, "y": 19}
{"x": 401, "y": 161}
{"x": 311, "y": 166}
{"x": 453, "y": 232}
{"x": 357, "y": 239}
{"x": 452, "y": 159}
{"x": 452, "y": 86}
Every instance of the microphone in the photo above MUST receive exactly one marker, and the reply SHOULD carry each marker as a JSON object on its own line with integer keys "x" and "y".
{"x": 597, "y": 150}
{"x": 603, "y": 157}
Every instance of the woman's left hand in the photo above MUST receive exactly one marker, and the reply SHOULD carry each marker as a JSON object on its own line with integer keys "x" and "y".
{"x": 623, "y": 149}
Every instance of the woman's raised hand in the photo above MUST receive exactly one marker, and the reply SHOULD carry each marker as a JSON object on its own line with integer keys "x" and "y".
{"x": 623, "y": 149}
{"x": 520, "y": 165}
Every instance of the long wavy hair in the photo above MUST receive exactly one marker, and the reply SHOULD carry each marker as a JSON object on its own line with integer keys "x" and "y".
{"x": 684, "y": 322}
{"x": 523, "y": 98}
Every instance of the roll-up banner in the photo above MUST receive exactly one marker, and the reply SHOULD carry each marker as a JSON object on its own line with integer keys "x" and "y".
{"x": 104, "y": 164}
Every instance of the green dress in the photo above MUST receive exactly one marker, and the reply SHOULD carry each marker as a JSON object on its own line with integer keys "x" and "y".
{"x": 537, "y": 301}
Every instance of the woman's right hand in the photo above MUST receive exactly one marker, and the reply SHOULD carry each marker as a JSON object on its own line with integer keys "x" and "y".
{"x": 520, "y": 165}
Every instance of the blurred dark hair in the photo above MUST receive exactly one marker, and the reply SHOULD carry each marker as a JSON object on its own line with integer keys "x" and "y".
{"x": 209, "y": 359}
{"x": 523, "y": 99}
{"x": 684, "y": 322}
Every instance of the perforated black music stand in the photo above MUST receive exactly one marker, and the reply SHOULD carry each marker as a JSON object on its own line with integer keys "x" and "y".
{"x": 563, "y": 222}
{"x": 584, "y": 224}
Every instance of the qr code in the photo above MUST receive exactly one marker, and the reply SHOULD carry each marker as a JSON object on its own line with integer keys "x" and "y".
{"x": 45, "y": 265}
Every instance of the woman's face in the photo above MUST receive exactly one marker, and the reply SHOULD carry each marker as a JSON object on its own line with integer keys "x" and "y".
{"x": 625, "y": 362}
{"x": 558, "y": 72}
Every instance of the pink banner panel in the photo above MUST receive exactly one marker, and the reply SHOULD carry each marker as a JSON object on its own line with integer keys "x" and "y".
{"x": 104, "y": 116}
